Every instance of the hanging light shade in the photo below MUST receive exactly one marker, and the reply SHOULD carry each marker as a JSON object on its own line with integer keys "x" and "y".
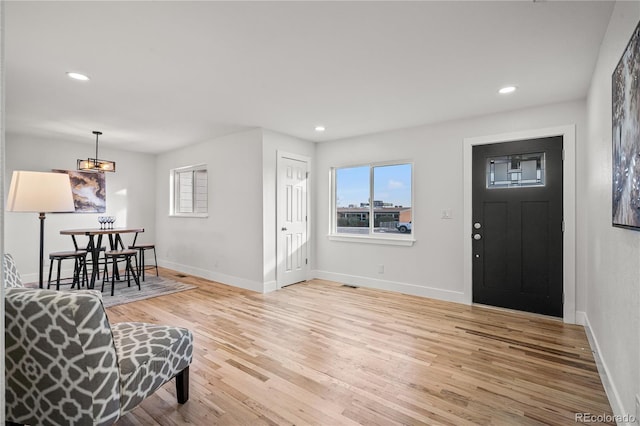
{"x": 95, "y": 164}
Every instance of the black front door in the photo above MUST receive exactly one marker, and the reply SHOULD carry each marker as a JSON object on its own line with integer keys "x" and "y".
{"x": 517, "y": 225}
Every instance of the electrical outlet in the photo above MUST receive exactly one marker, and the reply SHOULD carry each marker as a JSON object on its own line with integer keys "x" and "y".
{"x": 381, "y": 269}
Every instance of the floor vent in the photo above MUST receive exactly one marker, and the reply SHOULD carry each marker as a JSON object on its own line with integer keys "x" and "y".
{"x": 349, "y": 286}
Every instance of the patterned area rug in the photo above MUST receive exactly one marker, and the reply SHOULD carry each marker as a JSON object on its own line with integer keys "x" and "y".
{"x": 151, "y": 287}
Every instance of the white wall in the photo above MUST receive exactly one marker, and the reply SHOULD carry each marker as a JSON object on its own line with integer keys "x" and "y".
{"x": 433, "y": 267}
{"x": 130, "y": 197}
{"x": 613, "y": 254}
{"x": 226, "y": 246}
{"x": 236, "y": 244}
{"x": 272, "y": 143}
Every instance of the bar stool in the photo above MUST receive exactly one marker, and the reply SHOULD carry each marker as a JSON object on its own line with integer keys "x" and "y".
{"x": 101, "y": 262}
{"x": 114, "y": 256}
{"x": 79, "y": 267}
{"x": 142, "y": 247}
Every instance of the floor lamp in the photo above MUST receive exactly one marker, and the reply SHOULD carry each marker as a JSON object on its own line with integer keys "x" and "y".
{"x": 39, "y": 192}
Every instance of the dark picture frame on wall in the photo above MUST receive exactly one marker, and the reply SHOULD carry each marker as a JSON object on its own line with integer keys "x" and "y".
{"x": 625, "y": 101}
{"x": 88, "y": 189}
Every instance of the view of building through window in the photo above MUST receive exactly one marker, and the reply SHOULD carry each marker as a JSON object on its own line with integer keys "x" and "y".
{"x": 389, "y": 186}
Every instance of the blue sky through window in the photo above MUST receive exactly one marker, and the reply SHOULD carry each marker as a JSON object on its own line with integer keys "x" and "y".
{"x": 392, "y": 184}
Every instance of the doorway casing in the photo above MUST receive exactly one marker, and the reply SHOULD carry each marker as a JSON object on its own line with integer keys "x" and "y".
{"x": 568, "y": 134}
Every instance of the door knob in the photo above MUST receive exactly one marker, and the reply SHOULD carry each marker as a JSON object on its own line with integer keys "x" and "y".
{"x": 477, "y": 225}
{"x": 477, "y": 236}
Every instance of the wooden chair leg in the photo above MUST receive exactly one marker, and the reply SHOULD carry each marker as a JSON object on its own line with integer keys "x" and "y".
{"x": 85, "y": 278}
{"x": 155, "y": 258}
{"x": 136, "y": 278}
{"x": 142, "y": 265}
{"x": 105, "y": 272}
{"x": 128, "y": 269}
{"x": 113, "y": 274}
{"x": 105, "y": 275}
{"x": 76, "y": 275}
{"x": 182, "y": 386}
{"x": 58, "y": 278}
{"x": 50, "y": 270}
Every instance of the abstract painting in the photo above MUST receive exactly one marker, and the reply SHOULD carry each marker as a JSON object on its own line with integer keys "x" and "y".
{"x": 625, "y": 92}
{"x": 89, "y": 191}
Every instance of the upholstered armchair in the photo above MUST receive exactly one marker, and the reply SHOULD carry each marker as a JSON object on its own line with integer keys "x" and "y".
{"x": 11, "y": 275}
{"x": 66, "y": 365}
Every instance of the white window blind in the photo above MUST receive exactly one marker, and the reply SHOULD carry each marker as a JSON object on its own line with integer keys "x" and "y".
{"x": 190, "y": 191}
{"x": 200, "y": 191}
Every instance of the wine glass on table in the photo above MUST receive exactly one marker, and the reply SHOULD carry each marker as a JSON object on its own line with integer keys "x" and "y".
{"x": 101, "y": 221}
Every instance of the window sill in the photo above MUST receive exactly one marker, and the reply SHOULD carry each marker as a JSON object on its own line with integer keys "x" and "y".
{"x": 202, "y": 215}
{"x": 373, "y": 239}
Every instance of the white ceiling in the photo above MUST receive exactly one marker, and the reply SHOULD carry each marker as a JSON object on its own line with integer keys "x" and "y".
{"x": 167, "y": 74}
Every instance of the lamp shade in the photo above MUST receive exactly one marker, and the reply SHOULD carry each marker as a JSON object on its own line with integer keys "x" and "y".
{"x": 40, "y": 192}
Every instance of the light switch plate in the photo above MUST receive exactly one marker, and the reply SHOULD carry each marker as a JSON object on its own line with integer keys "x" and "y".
{"x": 447, "y": 214}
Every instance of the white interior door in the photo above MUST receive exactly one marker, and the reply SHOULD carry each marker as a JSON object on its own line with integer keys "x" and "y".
{"x": 292, "y": 221}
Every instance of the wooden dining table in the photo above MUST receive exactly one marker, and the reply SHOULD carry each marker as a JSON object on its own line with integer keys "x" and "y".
{"x": 94, "y": 246}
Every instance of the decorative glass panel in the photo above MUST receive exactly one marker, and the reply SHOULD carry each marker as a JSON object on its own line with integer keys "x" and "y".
{"x": 515, "y": 171}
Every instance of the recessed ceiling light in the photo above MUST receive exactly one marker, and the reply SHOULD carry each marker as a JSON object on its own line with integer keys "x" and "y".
{"x": 320, "y": 129}
{"x": 77, "y": 76}
{"x": 507, "y": 89}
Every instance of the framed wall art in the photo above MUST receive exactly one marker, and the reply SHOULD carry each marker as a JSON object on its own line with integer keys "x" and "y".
{"x": 625, "y": 93}
{"x": 89, "y": 191}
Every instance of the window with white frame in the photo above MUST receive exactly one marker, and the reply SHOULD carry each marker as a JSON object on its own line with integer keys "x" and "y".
{"x": 189, "y": 190}
{"x": 373, "y": 200}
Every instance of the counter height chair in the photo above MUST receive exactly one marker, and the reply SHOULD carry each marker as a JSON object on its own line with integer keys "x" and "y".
{"x": 141, "y": 248}
{"x": 100, "y": 261}
{"x": 142, "y": 266}
{"x": 114, "y": 256}
{"x": 79, "y": 268}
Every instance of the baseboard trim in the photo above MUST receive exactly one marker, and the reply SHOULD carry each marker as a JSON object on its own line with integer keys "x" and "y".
{"x": 605, "y": 376}
{"x": 412, "y": 289}
{"x": 270, "y": 286}
{"x": 214, "y": 276}
{"x": 581, "y": 318}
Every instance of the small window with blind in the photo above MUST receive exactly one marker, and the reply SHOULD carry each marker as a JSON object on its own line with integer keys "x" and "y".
{"x": 189, "y": 191}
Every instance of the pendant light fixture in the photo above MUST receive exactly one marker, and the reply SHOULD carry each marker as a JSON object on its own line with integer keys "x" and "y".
{"x": 95, "y": 164}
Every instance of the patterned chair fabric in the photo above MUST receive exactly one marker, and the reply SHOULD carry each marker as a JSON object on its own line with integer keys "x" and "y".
{"x": 11, "y": 275}
{"x": 148, "y": 356}
{"x": 66, "y": 365}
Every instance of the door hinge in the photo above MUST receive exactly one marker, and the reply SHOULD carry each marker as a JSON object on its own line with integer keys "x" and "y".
{"x": 562, "y": 154}
{"x": 563, "y": 226}
{"x": 307, "y": 175}
{"x": 306, "y": 261}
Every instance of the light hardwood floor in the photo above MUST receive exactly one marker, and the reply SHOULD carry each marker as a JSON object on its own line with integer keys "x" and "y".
{"x": 324, "y": 354}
